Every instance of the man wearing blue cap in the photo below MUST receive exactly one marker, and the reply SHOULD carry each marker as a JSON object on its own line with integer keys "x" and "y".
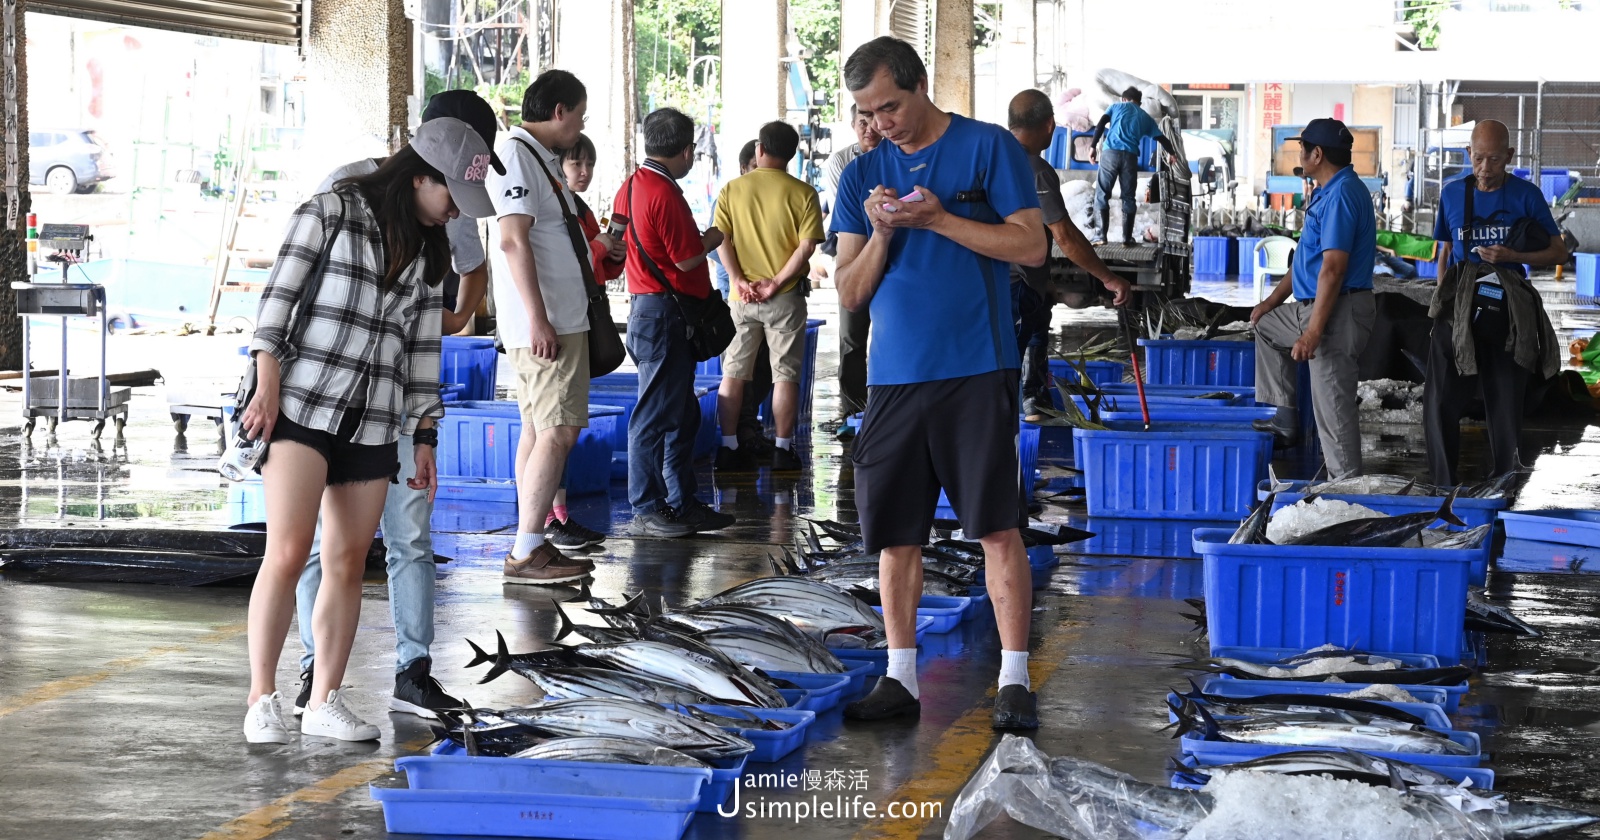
{"x": 1331, "y": 316}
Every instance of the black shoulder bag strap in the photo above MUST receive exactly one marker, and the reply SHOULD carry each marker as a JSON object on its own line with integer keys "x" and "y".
{"x": 580, "y": 244}
{"x": 633, "y": 231}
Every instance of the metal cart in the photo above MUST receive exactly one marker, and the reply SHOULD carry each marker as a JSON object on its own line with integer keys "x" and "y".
{"x": 64, "y": 397}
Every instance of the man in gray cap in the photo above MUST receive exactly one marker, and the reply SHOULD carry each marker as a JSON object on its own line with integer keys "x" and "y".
{"x": 407, "y": 513}
{"x": 1331, "y": 317}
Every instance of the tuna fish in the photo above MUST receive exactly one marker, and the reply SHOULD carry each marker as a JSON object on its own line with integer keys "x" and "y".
{"x": 632, "y": 720}
{"x": 763, "y": 649}
{"x": 1389, "y": 531}
{"x": 1253, "y": 530}
{"x": 1332, "y": 728}
{"x": 813, "y": 606}
{"x": 610, "y": 751}
{"x": 1489, "y": 618}
{"x": 1319, "y": 701}
{"x": 1390, "y": 676}
{"x": 1349, "y": 765}
{"x": 731, "y": 686}
{"x": 572, "y": 683}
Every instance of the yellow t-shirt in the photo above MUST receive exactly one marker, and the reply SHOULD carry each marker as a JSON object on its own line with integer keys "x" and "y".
{"x": 766, "y": 213}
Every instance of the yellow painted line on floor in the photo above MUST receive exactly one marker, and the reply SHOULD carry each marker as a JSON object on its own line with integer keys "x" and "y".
{"x": 963, "y": 747}
{"x": 276, "y": 815}
{"x": 59, "y": 688}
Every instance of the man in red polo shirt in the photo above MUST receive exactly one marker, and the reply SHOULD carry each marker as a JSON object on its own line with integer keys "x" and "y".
{"x": 665, "y": 247}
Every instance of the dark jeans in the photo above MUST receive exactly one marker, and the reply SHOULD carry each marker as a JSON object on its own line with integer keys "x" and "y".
{"x": 1503, "y": 385}
{"x": 1116, "y": 167}
{"x": 667, "y": 417}
{"x": 1033, "y": 338}
{"x": 853, "y": 330}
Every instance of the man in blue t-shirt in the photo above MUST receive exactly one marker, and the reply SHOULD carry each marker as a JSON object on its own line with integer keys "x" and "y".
{"x": 1123, "y": 125}
{"x": 1498, "y": 204}
{"x": 1331, "y": 317}
{"x": 928, "y": 222}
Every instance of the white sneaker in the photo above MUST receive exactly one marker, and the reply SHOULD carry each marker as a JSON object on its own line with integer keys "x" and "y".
{"x": 263, "y": 724}
{"x": 333, "y": 720}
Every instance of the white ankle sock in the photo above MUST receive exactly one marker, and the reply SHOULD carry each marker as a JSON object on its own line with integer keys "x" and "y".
{"x": 784, "y": 443}
{"x": 730, "y": 441}
{"x": 1013, "y": 668}
{"x": 903, "y": 668}
{"x": 525, "y": 545}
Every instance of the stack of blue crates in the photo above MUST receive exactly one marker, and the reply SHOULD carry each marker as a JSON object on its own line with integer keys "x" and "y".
{"x": 478, "y": 442}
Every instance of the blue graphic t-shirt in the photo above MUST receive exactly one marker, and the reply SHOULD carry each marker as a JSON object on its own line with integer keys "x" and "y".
{"x": 941, "y": 311}
{"x": 1493, "y": 214}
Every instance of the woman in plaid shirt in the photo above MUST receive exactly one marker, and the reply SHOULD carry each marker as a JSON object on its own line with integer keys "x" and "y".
{"x": 347, "y": 358}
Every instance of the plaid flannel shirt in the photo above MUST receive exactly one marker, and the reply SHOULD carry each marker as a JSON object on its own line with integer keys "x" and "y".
{"x": 353, "y": 347}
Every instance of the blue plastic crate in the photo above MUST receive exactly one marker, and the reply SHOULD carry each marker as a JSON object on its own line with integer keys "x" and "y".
{"x": 1217, "y": 415}
{"x": 1219, "y": 363}
{"x": 1482, "y": 777}
{"x": 1588, "y": 280}
{"x": 622, "y": 389}
{"x": 1214, "y": 255}
{"x": 878, "y": 659}
{"x": 725, "y": 775}
{"x": 1175, "y": 471}
{"x": 1229, "y": 752}
{"x": 452, "y": 392}
{"x": 855, "y": 675}
{"x": 1566, "y": 526}
{"x": 1408, "y": 600}
{"x": 510, "y": 797}
{"x": 808, "y": 374}
{"x": 1156, "y": 538}
{"x": 1243, "y": 394}
{"x": 822, "y": 690}
{"x": 470, "y": 361}
{"x": 478, "y": 439}
{"x": 771, "y": 745}
{"x": 980, "y": 603}
{"x": 467, "y": 489}
{"x": 1535, "y": 556}
{"x": 1427, "y": 270}
{"x": 1245, "y": 689}
{"x": 1267, "y": 656}
{"x": 1245, "y": 249}
{"x": 1100, "y": 372}
{"x": 947, "y": 612}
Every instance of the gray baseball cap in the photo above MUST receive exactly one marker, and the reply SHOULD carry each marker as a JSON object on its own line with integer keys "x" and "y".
{"x": 455, "y": 149}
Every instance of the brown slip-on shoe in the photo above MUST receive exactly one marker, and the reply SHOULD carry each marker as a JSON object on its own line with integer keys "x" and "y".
{"x": 544, "y": 567}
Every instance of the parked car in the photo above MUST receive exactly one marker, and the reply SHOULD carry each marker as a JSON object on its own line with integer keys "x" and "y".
{"x": 66, "y": 161}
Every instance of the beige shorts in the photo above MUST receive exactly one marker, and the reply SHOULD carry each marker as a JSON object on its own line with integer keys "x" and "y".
{"x": 781, "y": 321}
{"x": 551, "y": 394}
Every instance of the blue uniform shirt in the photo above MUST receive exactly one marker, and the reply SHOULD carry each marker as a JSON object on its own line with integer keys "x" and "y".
{"x": 1338, "y": 218}
{"x": 1493, "y": 214}
{"x": 1129, "y": 125}
{"x": 941, "y": 310}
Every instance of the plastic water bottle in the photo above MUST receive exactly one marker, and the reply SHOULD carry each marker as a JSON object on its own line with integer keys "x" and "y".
{"x": 241, "y": 459}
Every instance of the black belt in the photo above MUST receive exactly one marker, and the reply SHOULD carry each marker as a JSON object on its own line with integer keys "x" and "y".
{"x": 1342, "y": 293}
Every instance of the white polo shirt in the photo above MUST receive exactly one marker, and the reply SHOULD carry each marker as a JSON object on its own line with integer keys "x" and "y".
{"x": 525, "y": 190}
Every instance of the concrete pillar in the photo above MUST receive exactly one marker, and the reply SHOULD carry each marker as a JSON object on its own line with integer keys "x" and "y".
{"x": 358, "y": 60}
{"x": 15, "y": 199}
{"x": 952, "y": 55}
{"x": 1016, "y": 67}
{"x": 754, "y": 78}
{"x": 858, "y": 24}
{"x": 594, "y": 41}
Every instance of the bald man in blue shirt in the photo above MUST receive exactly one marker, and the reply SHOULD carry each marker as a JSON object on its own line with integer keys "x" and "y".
{"x": 1330, "y": 319}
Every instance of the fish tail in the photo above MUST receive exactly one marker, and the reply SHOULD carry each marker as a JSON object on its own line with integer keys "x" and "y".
{"x": 479, "y": 656}
{"x": 1208, "y": 724}
{"x": 502, "y": 659}
{"x": 1447, "y": 510}
{"x": 811, "y": 537}
{"x": 567, "y": 627}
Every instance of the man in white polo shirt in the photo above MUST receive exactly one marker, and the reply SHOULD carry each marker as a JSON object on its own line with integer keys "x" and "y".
{"x": 542, "y": 307}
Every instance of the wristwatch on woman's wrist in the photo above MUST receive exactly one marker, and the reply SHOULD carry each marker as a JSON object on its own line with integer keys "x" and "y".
{"x": 425, "y": 437}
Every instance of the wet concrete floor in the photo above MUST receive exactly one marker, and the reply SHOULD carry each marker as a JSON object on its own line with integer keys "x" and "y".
{"x": 120, "y": 705}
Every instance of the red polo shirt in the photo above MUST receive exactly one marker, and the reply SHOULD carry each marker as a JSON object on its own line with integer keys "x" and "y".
{"x": 667, "y": 230}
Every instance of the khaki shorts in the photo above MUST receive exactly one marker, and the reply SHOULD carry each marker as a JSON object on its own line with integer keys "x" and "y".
{"x": 551, "y": 394}
{"x": 782, "y": 322}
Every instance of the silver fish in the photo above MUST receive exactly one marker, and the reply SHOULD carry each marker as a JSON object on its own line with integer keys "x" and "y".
{"x": 1327, "y": 730}
{"x": 1374, "y": 485}
{"x": 610, "y": 717}
{"x": 1387, "y": 531}
{"x": 1253, "y": 530}
{"x": 731, "y": 687}
{"x": 769, "y": 651}
{"x": 812, "y": 606}
{"x": 1448, "y": 539}
{"x": 1340, "y": 764}
{"x": 572, "y": 683}
{"x": 610, "y": 751}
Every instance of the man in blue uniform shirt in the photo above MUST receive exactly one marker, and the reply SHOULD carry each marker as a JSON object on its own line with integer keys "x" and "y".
{"x": 928, "y": 222}
{"x": 1331, "y": 317}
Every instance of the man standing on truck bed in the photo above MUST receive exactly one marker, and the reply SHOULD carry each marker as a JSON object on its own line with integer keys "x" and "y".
{"x": 1123, "y": 126}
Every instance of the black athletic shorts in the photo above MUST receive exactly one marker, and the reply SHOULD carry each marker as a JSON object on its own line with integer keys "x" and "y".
{"x": 955, "y": 434}
{"x": 348, "y": 463}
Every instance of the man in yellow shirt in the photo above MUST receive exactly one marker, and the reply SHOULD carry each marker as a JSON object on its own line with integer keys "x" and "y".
{"x": 772, "y": 222}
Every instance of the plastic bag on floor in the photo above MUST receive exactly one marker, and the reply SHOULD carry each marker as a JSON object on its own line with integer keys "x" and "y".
{"x": 1081, "y": 800}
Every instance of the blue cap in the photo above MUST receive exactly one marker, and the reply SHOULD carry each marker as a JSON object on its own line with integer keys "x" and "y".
{"x": 1328, "y": 133}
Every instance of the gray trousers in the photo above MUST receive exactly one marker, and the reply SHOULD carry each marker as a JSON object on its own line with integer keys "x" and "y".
{"x": 1334, "y": 372}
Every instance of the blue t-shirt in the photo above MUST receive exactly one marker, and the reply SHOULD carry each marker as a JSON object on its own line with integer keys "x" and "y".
{"x": 1129, "y": 125}
{"x": 1493, "y": 214}
{"x": 941, "y": 310}
{"x": 1339, "y": 218}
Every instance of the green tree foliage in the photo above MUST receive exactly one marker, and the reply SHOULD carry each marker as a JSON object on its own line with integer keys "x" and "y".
{"x": 1423, "y": 15}
{"x": 816, "y": 24}
{"x": 668, "y": 35}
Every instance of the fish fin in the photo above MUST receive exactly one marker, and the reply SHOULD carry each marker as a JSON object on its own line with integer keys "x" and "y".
{"x": 1208, "y": 724}
{"x": 1447, "y": 510}
{"x": 1194, "y": 690}
{"x": 1394, "y": 777}
{"x": 1273, "y": 483}
{"x": 1197, "y": 603}
{"x": 811, "y": 537}
{"x": 566, "y": 627}
{"x": 788, "y": 562}
{"x": 1409, "y": 485}
{"x": 583, "y": 594}
{"x": 479, "y": 656}
{"x": 502, "y": 659}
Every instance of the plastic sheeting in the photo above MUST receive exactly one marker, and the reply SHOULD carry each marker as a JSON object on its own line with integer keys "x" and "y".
{"x": 1080, "y": 800}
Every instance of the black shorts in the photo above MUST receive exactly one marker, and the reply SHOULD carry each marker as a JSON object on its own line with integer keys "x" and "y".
{"x": 348, "y": 463}
{"x": 955, "y": 434}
